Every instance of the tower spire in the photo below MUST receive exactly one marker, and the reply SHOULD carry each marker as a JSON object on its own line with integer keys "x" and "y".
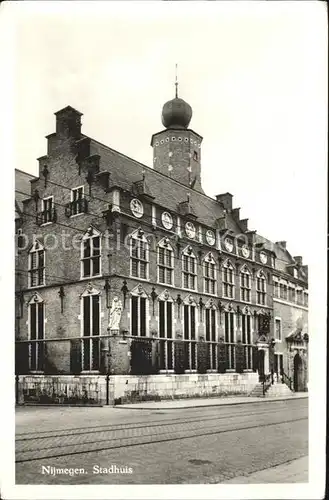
{"x": 176, "y": 82}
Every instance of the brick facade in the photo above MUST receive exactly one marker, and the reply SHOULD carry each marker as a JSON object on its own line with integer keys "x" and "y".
{"x": 111, "y": 182}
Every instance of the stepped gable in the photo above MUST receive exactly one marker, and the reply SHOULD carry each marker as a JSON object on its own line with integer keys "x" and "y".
{"x": 167, "y": 193}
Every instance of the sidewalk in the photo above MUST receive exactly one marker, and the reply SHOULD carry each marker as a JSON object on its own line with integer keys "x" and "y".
{"x": 177, "y": 404}
{"x": 295, "y": 471}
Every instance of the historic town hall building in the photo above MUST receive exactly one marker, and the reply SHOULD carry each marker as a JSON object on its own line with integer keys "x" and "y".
{"x": 132, "y": 283}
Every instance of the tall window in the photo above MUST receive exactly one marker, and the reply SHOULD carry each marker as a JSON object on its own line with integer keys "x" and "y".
{"x": 165, "y": 263}
{"x": 91, "y": 254}
{"x": 276, "y": 292}
{"x": 36, "y": 332}
{"x": 245, "y": 284}
{"x": 139, "y": 312}
{"x": 261, "y": 288}
{"x": 90, "y": 328}
{"x": 247, "y": 339}
{"x": 305, "y": 299}
{"x": 292, "y": 294}
{"x": 277, "y": 329}
{"x": 228, "y": 280}
{"x": 165, "y": 334}
{"x": 189, "y": 336}
{"x": 229, "y": 338}
{"x": 283, "y": 291}
{"x": 189, "y": 269}
{"x": 209, "y": 275}
{"x": 36, "y": 265}
{"x": 47, "y": 214}
{"x": 210, "y": 319}
{"x": 78, "y": 205}
{"x": 300, "y": 297}
{"x": 139, "y": 255}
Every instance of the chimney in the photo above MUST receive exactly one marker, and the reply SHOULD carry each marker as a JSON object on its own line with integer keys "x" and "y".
{"x": 299, "y": 260}
{"x": 282, "y": 244}
{"x": 68, "y": 122}
{"x": 226, "y": 200}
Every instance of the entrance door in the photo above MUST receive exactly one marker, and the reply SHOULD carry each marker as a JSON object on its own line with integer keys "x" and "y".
{"x": 261, "y": 364}
{"x": 298, "y": 374}
{"x": 278, "y": 365}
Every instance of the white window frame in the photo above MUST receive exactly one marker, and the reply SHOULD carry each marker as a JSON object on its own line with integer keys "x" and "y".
{"x": 43, "y": 208}
{"x": 166, "y": 246}
{"x": 277, "y": 319}
{"x": 209, "y": 259}
{"x": 228, "y": 265}
{"x": 72, "y": 200}
{"x": 36, "y": 248}
{"x": 245, "y": 271}
{"x": 136, "y": 237}
{"x": 261, "y": 276}
{"x": 36, "y": 299}
{"x": 86, "y": 236}
{"x": 140, "y": 293}
{"x": 89, "y": 293}
{"x": 189, "y": 253}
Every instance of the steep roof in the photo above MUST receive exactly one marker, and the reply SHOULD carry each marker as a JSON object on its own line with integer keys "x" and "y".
{"x": 22, "y": 185}
{"x": 167, "y": 192}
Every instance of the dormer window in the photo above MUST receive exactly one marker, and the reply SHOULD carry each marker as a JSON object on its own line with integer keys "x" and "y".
{"x": 195, "y": 156}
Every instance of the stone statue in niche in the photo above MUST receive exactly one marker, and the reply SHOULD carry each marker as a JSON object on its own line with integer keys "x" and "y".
{"x": 115, "y": 314}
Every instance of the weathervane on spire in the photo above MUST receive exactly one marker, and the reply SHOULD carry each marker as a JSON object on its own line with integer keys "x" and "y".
{"x": 176, "y": 81}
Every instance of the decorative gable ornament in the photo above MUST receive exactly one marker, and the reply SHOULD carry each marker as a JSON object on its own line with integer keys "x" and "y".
{"x": 90, "y": 290}
{"x": 139, "y": 291}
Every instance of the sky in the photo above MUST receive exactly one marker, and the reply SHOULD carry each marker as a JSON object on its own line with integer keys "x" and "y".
{"x": 253, "y": 72}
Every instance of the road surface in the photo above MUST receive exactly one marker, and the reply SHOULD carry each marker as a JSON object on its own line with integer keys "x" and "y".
{"x": 57, "y": 445}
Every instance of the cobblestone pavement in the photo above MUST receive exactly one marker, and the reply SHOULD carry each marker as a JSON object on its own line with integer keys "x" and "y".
{"x": 190, "y": 445}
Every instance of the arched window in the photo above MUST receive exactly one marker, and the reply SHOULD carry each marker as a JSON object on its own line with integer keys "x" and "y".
{"x": 261, "y": 288}
{"x": 165, "y": 262}
{"x": 228, "y": 280}
{"x": 36, "y": 332}
{"x": 37, "y": 265}
{"x": 139, "y": 255}
{"x": 245, "y": 284}
{"x": 91, "y": 253}
{"x": 90, "y": 328}
{"x": 189, "y": 266}
{"x": 209, "y": 275}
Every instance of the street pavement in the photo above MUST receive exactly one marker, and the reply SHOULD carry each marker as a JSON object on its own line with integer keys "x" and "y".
{"x": 201, "y": 444}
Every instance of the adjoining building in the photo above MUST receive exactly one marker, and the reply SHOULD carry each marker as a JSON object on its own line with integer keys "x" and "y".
{"x": 134, "y": 284}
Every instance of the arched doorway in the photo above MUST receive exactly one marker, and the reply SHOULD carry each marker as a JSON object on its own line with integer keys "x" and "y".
{"x": 261, "y": 364}
{"x": 298, "y": 374}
